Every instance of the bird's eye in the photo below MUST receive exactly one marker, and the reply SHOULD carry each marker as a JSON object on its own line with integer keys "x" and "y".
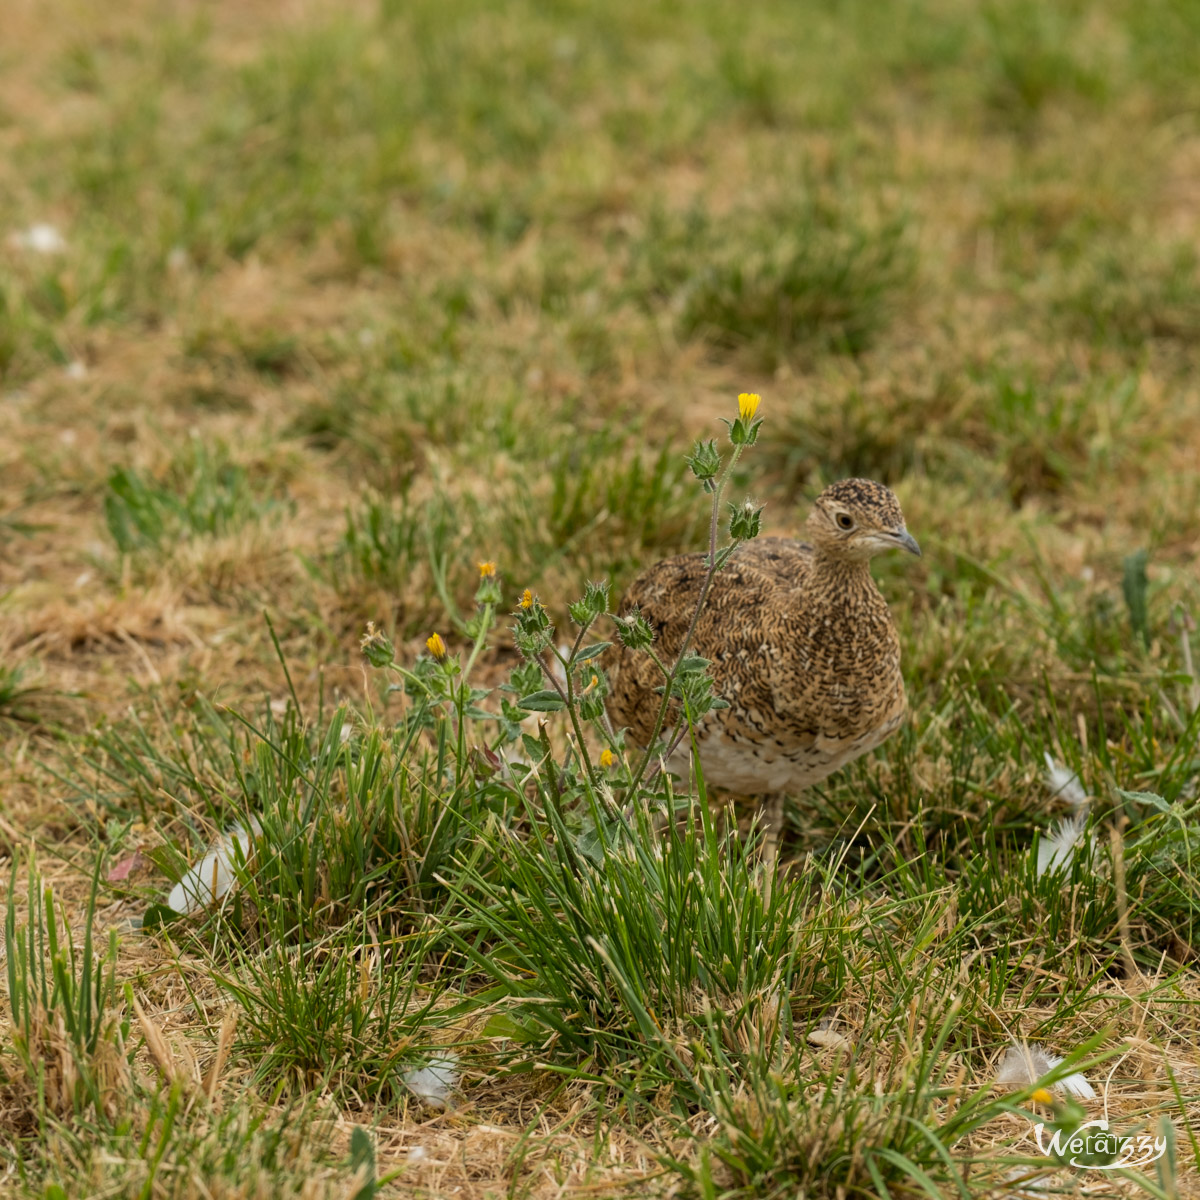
{"x": 845, "y": 521}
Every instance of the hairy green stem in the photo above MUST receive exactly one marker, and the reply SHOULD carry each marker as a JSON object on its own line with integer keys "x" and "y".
{"x": 569, "y": 698}
{"x": 687, "y": 641}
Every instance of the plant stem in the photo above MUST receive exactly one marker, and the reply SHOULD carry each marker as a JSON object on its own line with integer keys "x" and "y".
{"x": 567, "y": 698}
{"x": 680, "y": 734}
{"x": 687, "y": 641}
{"x": 485, "y": 625}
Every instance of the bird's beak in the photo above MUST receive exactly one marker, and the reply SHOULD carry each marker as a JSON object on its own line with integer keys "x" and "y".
{"x": 906, "y": 539}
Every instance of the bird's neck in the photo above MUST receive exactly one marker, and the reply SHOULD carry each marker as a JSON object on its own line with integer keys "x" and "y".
{"x": 846, "y": 581}
{"x": 849, "y": 571}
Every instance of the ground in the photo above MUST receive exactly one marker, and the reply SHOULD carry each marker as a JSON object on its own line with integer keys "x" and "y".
{"x": 307, "y": 309}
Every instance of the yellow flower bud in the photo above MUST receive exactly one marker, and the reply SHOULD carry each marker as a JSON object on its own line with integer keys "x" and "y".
{"x": 487, "y": 570}
{"x": 606, "y": 758}
{"x": 748, "y": 405}
{"x": 527, "y": 599}
{"x": 1042, "y": 1096}
{"x": 436, "y": 646}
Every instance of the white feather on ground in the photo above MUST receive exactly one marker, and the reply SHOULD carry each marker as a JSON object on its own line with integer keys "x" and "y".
{"x": 1023, "y": 1065}
{"x": 557, "y": 669}
{"x": 1064, "y": 783}
{"x": 215, "y": 874}
{"x": 433, "y": 1083}
{"x": 1029, "y": 1181}
{"x": 41, "y": 238}
{"x": 1058, "y": 848}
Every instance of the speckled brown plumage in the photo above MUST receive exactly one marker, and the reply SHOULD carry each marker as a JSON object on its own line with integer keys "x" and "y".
{"x": 801, "y": 640}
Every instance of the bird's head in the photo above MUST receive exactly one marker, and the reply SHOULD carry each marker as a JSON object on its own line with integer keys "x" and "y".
{"x": 855, "y": 519}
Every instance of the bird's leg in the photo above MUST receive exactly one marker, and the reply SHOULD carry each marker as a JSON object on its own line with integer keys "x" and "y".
{"x": 772, "y": 832}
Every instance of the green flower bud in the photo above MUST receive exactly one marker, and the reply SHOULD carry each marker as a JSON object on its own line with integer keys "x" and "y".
{"x": 634, "y": 630}
{"x": 488, "y": 591}
{"x": 531, "y": 616}
{"x": 745, "y": 520}
{"x": 593, "y": 604}
{"x": 532, "y": 643}
{"x": 705, "y": 461}
{"x": 376, "y": 648}
{"x": 744, "y": 432}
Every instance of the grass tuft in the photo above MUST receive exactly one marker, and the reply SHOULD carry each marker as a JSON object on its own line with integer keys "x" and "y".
{"x": 203, "y": 493}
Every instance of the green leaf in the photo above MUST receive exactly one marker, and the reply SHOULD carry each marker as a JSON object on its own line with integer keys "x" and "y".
{"x": 592, "y": 651}
{"x": 1135, "y": 585}
{"x": 544, "y": 701}
{"x": 158, "y": 915}
{"x": 167, "y": 860}
{"x": 533, "y": 748}
{"x": 725, "y": 554}
{"x": 362, "y": 1152}
{"x": 502, "y": 1025}
{"x": 1151, "y": 798}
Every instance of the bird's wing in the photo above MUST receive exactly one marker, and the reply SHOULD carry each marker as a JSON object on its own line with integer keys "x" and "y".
{"x": 782, "y": 559}
{"x": 729, "y": 633}
{"x": 783, "y": 683}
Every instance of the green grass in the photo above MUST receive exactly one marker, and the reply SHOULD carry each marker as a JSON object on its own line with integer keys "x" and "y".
{"x": 796, "y": 274}
{"x": 203, "y": 493}
{"x": 352, "y": 302}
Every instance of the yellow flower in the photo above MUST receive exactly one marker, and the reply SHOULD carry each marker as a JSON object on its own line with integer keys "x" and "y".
{"x": 606, "y": 758}
{"x": 436, "y": 646}
{"x": 1042, "y": 1096}
{"x": 748, "y": 405}
{"x": 487, "y": 570}
{"x": 527, "y": 599}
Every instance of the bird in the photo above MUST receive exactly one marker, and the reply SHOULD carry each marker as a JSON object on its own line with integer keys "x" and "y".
{"x": 802, "y": 646}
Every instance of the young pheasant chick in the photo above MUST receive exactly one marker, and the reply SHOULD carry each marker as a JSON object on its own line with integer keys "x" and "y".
{"x": 803, "y": 649}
